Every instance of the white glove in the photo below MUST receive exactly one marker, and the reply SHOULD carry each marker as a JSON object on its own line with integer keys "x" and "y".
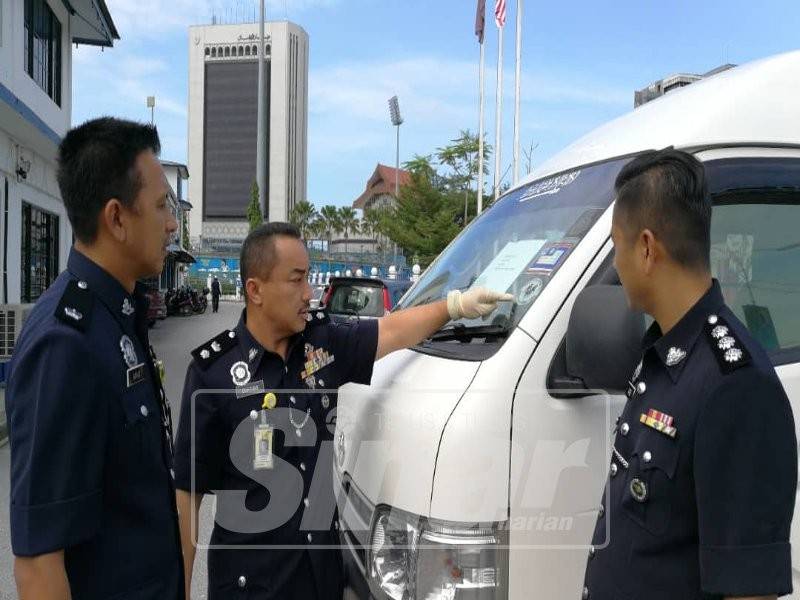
{"x": 474, "y": 303}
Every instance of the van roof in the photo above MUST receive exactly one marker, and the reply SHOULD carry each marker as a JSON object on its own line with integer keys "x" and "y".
{"x": 752, "y": 103}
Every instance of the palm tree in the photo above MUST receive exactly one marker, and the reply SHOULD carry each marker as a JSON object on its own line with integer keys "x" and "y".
{"x": 349, "y": 222}
{"x": 301, "y": 216}
{"x": 329, "y": 215}
{"x": 371, "y": 224}
{"x": 317, "y": 228}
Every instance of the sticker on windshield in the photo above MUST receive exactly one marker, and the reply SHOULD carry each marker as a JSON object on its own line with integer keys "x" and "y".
{"x": 508, "y": 264}
{"x": 550, "y": 258}
{"x": 530, "y": 291}
{"x": 552, "y": 185}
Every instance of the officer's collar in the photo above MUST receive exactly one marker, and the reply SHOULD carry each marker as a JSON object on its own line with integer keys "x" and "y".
{"x": 252, "y": 350}
{"x": 126, "y": 308}
{"x": 673, "y": 349}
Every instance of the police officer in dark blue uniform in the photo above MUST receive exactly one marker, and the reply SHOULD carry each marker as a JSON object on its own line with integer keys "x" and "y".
{"x": 258, "y": 417}
{"x": 703, "y": 471}
{"x": 93, "y": 510}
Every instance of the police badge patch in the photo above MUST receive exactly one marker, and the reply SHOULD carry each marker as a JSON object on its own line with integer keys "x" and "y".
{"x": 240, "y": 373}
{"x": 128, "y": 351}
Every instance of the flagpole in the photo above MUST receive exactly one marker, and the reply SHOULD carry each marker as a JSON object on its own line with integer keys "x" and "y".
{"x": 499, "y": 113}
{"x": 482, "y": 70}
{"x": 517, "y": 90}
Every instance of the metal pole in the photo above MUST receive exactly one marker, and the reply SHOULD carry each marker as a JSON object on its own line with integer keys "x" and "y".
{"x": 499, "y": 114}
{"x": 397, "y": 166}
{"x": 152, "y": 114}
{"x": 261, "y": 138}
{"x": 517, "y": 90}
{"x": 480, "y": 135}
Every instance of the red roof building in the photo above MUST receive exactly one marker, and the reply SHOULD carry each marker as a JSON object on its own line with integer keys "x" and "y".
{"x": 380, "y": 187}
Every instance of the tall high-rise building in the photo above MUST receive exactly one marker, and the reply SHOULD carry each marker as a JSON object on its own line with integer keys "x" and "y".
{"x": 223, "y": 108}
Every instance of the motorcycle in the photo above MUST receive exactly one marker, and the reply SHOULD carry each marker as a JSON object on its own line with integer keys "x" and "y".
{"x": 185, "y": 301}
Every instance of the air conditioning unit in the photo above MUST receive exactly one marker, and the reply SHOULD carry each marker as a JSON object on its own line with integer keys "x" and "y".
{"x": 12, "y": 317}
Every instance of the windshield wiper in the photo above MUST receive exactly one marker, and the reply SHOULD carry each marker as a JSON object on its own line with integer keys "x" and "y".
{"x": 463, "y": 333}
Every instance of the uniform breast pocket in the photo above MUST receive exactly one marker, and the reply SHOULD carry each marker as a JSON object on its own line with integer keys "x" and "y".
{"x": 138, "y": 406}
{"x": 650, "y": 483}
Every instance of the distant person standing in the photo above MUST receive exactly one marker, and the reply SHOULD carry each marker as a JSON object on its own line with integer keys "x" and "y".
{"x": 215, "y": 294}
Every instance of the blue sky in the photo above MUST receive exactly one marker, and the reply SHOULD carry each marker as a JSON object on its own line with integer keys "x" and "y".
{"x": 581, "y": 62}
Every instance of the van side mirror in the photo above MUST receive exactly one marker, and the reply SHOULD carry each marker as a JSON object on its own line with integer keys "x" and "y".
{"x": 604, "y": 336}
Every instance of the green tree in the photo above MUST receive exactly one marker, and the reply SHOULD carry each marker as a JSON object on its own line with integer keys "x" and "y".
{"x": 254, "y": 216}
{"x": 185, "y": 231}
{"x": 461, "y": 159}
{"x": 423, "y": 221}
{"x": 349, "y": 222}
{"x": 329, "y": 215}
{"x": 301, "y": 216}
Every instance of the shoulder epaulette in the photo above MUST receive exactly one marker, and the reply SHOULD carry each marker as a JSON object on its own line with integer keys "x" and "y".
{"x": 728, "y": 350}
{"x": 75, "y": 305}
{"x": 318, "y": 317}
{"x": 207, "y": 353}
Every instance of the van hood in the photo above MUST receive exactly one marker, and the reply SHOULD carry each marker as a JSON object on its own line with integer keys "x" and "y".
{"x": 388, "y": 433}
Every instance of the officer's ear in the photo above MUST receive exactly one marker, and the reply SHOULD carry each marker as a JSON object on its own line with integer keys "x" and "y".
{"x": 649, "y": 250}
{"x": 252, "y": 288}
{"x": 115, "y": 219}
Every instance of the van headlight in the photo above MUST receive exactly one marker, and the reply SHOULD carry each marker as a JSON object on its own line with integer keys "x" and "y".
{"x": 412, "y": 558}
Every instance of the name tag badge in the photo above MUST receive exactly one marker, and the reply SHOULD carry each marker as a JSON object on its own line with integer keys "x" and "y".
{"x": 135, "y": 374}
{"x": 254, "y": 387}
{"x": 262, "y": 453}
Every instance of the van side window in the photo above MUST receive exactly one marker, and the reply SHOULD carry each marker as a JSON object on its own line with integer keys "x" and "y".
{"x": 755, "y": 248}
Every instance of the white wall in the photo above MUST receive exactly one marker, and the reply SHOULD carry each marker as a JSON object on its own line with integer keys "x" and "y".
{"x": 20, "y": 137}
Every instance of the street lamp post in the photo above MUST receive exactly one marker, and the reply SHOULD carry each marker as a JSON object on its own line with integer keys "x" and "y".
{"x": 151, "y": 104}
{"x": 397, "y": 120}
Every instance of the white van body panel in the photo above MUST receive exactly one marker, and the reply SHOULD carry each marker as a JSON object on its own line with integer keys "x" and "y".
{"x": 392, "y": 428}
{"x": 559, "y": 464}
{"x": 717, "y": 110}
{"x": 474, "y": 452}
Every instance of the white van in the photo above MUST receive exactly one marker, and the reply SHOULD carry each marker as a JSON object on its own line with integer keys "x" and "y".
{"x": 473, "y": 467}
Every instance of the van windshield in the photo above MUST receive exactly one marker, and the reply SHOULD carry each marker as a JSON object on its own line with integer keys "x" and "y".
{"x": 521, "y": 241}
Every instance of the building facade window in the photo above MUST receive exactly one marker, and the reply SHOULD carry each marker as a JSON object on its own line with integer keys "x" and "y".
{"x": 43, "y": 47}
{"x": 40, "y": 244}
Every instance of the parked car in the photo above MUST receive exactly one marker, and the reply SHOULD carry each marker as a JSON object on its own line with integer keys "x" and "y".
{"x": 317, "y": 292}
{"x": 158, "y": 306}
{"x": 362, "y": 297}
{"x": 490, "y": 479}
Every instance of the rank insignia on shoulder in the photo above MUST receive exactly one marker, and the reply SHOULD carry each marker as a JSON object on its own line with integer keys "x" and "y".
{"x": 727, "y": 349}
{"x": 75, "y": 305}
{"x": 207, "y": 353}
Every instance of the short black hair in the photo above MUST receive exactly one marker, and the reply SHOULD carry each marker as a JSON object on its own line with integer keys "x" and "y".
{"x": 258, "y": 248}
{"x": 97, "y": 162}
{"x": 665, "y": 191}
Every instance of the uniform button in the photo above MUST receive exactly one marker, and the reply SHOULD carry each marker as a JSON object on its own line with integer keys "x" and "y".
{"x": 591, "y": 552}
{"x": 641, "y": 387}
{"x": 253, "y": 415}
{"x": 143, "y": 410}
{"x": 624, "y": 429}
{"x": 83, "y": 285}
{"x": 292, "y": 400}
{"x": 285, "y": 369}
{"x": 231, "y": 334}
{"x": 712, "y": 319}
{"x": 306, "y": 502}
{"x": 585, "y": 594}
{"x": 309, "y": 537}
{"x": 242, "y": 581}
{"x": 647, "y": 456}
{"x": 302, "y": 466}
{"x": 613, "y": 469}
{"x": 601, "y": 511}
{"x": 321, "y": 383}
{"x": 336, "y": 525}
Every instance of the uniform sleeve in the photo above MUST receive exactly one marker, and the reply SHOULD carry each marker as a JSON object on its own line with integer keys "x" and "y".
{"x": 745, "y": 467}
{"x": 57, "y": 432}
{"x": 355, "y": 346}
{"x": 200, "y": 430}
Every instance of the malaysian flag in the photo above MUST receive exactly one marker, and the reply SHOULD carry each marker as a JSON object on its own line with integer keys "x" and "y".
{"x": 500, "y": 12}
{"x": 480, "y": 20}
